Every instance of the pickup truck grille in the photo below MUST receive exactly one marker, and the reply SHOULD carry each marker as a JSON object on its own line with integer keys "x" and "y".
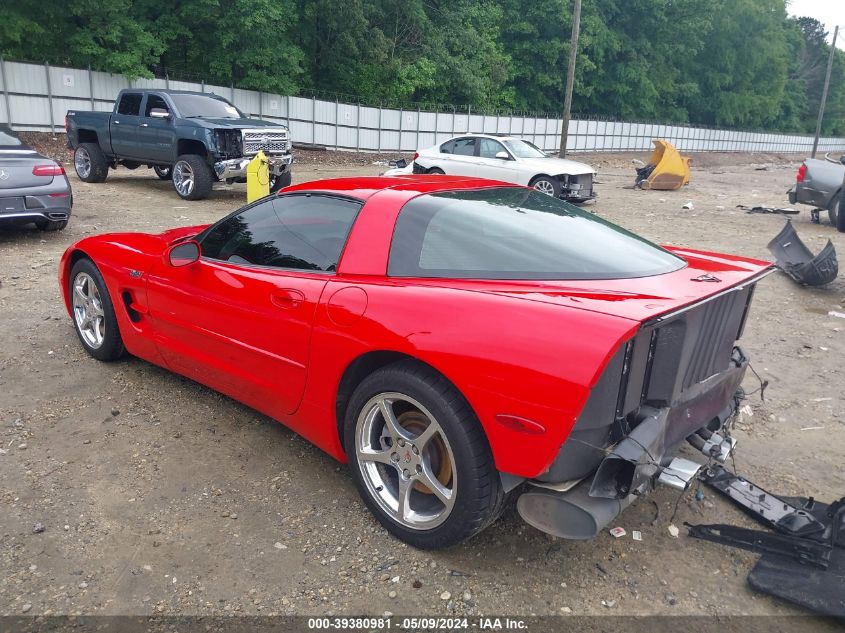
{"x": 270, "y": 141}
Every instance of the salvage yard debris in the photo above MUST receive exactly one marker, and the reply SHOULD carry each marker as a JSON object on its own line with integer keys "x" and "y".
{"x": 666, "y": 169}
{"x": 803, "y": 561}
{"x": 796, "y": 260}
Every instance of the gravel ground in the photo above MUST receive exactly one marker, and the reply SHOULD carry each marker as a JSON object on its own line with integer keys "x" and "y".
{"x": 129, "y": 490}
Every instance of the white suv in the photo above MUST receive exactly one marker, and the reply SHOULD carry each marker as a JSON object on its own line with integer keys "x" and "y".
{"x": 509, "y": 159}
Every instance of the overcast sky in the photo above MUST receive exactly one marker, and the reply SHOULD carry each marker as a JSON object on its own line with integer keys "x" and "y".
{"x": 828, "y": 12}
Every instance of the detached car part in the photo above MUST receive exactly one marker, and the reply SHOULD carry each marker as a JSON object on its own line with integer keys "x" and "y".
{"x": 666, "y": 169}
{"x": 796, "y": 260}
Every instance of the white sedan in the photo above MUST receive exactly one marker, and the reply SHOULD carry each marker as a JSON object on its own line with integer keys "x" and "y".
{"x": 509, "y": 159}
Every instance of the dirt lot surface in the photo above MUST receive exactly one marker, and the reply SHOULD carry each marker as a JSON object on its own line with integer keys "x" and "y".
{"x": 157, "y": 495}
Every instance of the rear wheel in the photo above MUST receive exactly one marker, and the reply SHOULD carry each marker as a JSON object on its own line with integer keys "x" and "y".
{"x": 547, "y": 185}
{"x": 192, "y": 177}
{"x": 419, "y": 457}
{"x": 436, "y": 170}
{"x": 52, "y": 225}
{"x": 162, "y": 172}
{"x": 93, "y": 312}
{"x": 90, "y": 163}
{"x": 833, "y": 209}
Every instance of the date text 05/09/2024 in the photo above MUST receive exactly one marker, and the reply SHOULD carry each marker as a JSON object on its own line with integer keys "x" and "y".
{"x": 408, "y": 623}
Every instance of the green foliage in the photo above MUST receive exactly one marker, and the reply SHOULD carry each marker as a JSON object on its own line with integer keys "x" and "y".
{"x": 737, "y": 63}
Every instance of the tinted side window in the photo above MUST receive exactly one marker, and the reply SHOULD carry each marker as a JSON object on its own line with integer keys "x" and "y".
{"x": 130, "y": 103}
{"x": 465, "y": 147}
{"x": 154, "y": 101}
{"x": 489, "y": 148}
{"x": 448, "y": 147}
{"x": 306, "y": 232}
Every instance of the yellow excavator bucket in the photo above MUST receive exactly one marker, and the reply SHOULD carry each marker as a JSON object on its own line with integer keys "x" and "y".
{"x": 257, "y": 178}
{"x": 671, "y": 170}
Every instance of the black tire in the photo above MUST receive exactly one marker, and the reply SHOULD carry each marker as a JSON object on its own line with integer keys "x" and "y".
{"x": 111, "y": 347}
{"x": 479, "y": 496}
{"x": 164, "y": 173}
{"x": 200, "y": 174}
{"x": 90, "y": 163}
{"x": 546, "y": 184}
{"x": 833, "y": 210}
{"x": 52, "y": 225}
{"x": 436, "y": 170}
{"x": 281, "y": 181}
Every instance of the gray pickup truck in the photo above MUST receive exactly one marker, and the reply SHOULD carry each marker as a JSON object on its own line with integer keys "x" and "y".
{"x": 190, "y": 138}
{"x": 819, "y": 184}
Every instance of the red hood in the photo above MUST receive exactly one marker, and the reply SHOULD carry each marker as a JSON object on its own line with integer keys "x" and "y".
{"x": 638, "y": 299}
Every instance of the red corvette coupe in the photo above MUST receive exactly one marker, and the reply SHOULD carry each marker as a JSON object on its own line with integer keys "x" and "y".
{"x": 454, "y": 339}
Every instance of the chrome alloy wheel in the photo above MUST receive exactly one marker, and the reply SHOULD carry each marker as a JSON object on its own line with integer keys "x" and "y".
{"x": 183, "y": 178}
{"x": 544, "y": 186}
{"x": 82, "y": 162}
{"x": 406, "y": 461}
{"x": 88, "y": 310}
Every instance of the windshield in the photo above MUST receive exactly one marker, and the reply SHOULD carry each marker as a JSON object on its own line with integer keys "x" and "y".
{"x": 521, "y": 149}
{"x": 516, "y": 233}
{"x": 205, "y": 106}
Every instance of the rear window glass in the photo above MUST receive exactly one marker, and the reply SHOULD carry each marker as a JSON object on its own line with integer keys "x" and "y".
{"x": 516, "y": 233}
{"x": 130, "y": 103}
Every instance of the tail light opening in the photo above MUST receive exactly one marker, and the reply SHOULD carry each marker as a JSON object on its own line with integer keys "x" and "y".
{"x": 48, "y": 170}
{"x": 802, "y": 173}
{"x": 416, "y": 156}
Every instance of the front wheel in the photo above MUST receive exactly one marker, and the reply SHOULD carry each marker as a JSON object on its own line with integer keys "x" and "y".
{"x": 164, "y": 173}
{"x": 281, "y": 181}
{"x": 192, "y": 177}
{"x": 547, "y": 185}
{"x": 93, "y": 312}
{"x": 419, "y": 457}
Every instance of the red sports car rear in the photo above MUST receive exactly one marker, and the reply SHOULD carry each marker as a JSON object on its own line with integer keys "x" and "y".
{"x": 455, "y": 340}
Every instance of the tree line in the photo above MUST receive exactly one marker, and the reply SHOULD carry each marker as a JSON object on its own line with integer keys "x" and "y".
{"x": 731, "y": 63}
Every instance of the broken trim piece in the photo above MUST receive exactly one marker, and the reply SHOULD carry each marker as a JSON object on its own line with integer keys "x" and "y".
{"x": 796, "y": 260}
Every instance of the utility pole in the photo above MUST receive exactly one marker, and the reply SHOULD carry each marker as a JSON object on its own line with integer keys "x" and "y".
{"x": 824, "y": 92}
{"x": 570, "y": 76}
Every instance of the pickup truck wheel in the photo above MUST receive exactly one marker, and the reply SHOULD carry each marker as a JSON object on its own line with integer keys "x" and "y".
{"x": 547, "y": 185}
{"x": 90, "y": 163}
{"x": 162, "y": 172}
{"x": 419, "y": 457}
{"x": 192, "y": 177}
{"x": 281, "y": 181}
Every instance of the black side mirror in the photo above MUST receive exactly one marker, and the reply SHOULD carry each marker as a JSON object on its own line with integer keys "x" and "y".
{"x": 184, "y": 254}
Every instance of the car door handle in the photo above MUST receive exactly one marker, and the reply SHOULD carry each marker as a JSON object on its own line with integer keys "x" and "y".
{"x": 116, "y": 122}
{"x": 145, "y": 125}
{"x": 287, "y": 298}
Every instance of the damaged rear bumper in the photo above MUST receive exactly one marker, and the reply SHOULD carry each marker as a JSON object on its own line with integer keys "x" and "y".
{"x": 677, "y": 379}
{"x": 638, "y": 462}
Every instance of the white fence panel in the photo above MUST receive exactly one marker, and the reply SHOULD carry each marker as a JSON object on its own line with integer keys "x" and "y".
{"x": 36, "y": 97}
